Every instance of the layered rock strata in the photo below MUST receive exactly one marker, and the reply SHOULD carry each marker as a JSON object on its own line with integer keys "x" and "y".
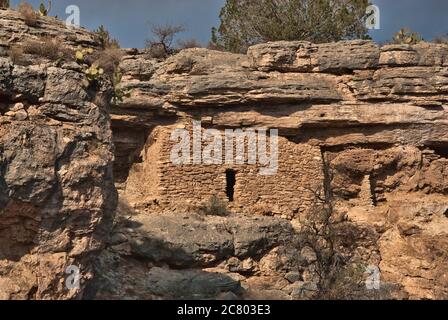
{"x": 57, "y": 194}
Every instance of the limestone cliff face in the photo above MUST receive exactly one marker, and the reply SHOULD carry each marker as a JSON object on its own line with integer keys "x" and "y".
{"x": 364, "y": 125}
{"x": 368, "y": 124}
{"x": 57, "y": 197}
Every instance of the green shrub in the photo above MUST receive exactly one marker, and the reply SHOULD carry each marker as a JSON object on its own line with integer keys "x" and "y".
{"x": 245, "y": 23}
{"x": 104, "y": 38}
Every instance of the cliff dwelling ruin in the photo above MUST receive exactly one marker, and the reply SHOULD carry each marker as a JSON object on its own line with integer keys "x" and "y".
{"x": 360, "y": 126}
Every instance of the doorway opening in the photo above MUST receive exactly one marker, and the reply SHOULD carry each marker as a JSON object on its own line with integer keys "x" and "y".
{"x": 231, "y": 181}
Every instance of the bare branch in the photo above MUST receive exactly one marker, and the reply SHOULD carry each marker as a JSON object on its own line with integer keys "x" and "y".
{"x": 163, "y": 38}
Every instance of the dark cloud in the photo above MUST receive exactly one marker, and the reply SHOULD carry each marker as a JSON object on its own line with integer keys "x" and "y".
{"x": 128, "y": 21}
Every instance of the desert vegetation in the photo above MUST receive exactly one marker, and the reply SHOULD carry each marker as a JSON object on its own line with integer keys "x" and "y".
{"x": 245, "y": 23}
{"x": 340, "y": 274}
{"x": 45, "y": 47}
{"x": 163, "y": 42}
{"x": 28, "y": 14}
{"x": 214, "y": 206}
{"x": 4, "y": 3}
{"x": 406, "y": 36}
{"x": 104, "y": 38}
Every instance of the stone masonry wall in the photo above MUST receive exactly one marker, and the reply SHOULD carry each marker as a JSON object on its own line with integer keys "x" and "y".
{"x": 287, "y": 192}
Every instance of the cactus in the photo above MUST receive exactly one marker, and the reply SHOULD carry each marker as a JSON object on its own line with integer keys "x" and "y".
{"x": 406, "y": 36}
{"x": 119, "y": 93}
{"x": 43, "y": 10}
{"x": 93, "y": 73}
{"x": 81, "y": 54}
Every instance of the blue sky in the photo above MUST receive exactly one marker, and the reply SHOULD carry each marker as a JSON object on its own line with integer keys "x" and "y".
{"x": 128, "y": 21}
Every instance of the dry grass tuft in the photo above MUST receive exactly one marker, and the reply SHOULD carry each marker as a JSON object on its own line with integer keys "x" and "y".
{"x": 156, "y": 51}
{"x": 188, "y": 44}
{"x": 215, "y": 206}
{"x": 28, "y": 14}
{"x": 48, "y": 48}
{"x": 17, "y": 56}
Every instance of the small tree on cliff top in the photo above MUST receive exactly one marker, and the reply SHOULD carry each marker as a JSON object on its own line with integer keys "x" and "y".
{"x": 248, "y": 22}
{"x": 161, "y": 44}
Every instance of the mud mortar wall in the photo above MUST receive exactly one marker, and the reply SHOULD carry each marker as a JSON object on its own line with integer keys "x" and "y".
{"x": 288, "y": 191}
